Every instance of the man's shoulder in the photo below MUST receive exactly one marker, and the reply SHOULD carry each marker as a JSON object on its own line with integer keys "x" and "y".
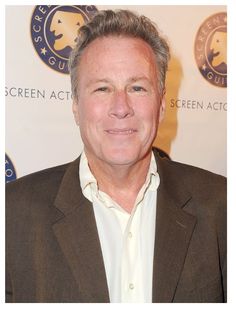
{"x": 192, "y": 171}
{"x": 44, "y": 181}
{"x": 39, "y": 176}
{"x": 206, "y": 191}
{"x": 189, "y": 176}
{"x": 164, "y": 160}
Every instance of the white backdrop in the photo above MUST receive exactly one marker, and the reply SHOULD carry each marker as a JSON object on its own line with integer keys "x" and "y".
{"x": 40, "y": 129}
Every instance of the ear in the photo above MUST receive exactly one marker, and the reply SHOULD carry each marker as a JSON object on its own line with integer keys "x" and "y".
{"x": 75, "y": 109}
{"x": 162, "y": 108}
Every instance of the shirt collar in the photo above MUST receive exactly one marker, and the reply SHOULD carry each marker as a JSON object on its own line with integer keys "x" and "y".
{"x": 85, "y": 175}
{"x": 88, "y": 182}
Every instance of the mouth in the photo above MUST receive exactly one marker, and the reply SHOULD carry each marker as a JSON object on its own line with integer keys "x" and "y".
{"x": 121, "y": 132}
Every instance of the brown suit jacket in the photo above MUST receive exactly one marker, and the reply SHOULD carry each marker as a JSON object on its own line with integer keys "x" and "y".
{"x": 53, "y": 249}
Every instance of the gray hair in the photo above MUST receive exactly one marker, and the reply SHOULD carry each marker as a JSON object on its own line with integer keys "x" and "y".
{"x": 121, "y": 22}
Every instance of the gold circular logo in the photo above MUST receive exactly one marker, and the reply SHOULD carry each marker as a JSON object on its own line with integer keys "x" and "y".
{"x": 54, "y": 30}
{"x": 211, "y": 49}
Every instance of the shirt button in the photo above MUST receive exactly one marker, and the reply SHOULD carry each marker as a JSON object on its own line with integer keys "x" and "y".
{"x": 131, "y": 286}
{"x": 130, "y": 235}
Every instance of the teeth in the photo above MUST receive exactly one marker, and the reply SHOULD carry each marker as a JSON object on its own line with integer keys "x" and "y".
{"x": 128, "y": 131}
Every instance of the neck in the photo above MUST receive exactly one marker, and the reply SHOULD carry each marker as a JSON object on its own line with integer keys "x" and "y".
{"x": 121, "y": 182}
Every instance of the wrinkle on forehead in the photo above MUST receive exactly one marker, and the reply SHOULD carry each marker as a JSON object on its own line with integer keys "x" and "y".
{"x": 124, "y": 50}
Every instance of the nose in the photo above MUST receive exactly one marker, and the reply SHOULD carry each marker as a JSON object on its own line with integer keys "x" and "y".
{"x": 121, "y": 106}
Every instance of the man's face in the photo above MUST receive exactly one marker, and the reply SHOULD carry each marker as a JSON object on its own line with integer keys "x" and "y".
{"x": 119, "y": 105}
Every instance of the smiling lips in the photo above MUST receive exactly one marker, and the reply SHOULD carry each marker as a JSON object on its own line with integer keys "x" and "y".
{"x": 121, "y": 132}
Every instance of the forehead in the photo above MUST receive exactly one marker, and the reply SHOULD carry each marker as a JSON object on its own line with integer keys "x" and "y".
{"x": 117, "y": 49}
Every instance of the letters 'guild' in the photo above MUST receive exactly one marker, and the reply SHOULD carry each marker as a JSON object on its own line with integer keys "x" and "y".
{"x": 211, "y": 49}
{"x": 54, "y": 30}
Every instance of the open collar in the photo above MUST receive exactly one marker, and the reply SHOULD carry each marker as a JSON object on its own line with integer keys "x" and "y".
{"x": 77, "y": 235}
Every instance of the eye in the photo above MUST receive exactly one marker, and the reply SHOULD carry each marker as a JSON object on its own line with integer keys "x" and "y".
{"x": 102, "y": 89}
{"x": 138, "y": 89}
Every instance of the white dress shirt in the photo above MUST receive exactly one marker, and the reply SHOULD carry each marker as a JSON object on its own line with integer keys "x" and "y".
{"x": 127, "y": 240}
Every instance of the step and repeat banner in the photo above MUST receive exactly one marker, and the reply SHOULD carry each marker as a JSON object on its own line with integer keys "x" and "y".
{"x": 40, "y": 129}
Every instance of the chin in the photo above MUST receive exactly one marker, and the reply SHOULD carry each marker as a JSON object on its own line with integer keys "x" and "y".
{"x": 122, "y": 157}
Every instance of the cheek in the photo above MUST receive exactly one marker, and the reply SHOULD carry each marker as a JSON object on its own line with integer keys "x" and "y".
{"x": 148, "y": 115}
{"x": 150, "y": 125}
{"x": 91, "y": 111}
{"x": 92, "y": 115}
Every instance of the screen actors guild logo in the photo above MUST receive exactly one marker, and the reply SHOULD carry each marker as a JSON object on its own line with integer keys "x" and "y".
{"x": 211, "y": 49}
{"x": 54, "y": 30}
{"x": 10, "y": 172}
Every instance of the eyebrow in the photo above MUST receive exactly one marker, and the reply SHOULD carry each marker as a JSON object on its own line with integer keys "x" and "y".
{"x": 107, "y": 80}
{"x": 138, "y": 78}
{"x": 95, "y": 81}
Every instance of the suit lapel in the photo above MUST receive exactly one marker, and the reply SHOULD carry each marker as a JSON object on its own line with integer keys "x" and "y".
{"x": 77, "y": 235}
{"x": 174, "y": 229}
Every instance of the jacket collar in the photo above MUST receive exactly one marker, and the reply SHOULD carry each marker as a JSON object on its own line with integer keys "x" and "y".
{"x": 174, "y": 228}
{"x": 77, "y": 235}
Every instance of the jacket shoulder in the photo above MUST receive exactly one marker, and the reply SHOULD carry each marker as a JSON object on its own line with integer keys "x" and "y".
{"x": 188, "y": 175}
{"x": 205, "y": 187}
{"x": 39, "y": 188}
{"x": 39, "y": 178}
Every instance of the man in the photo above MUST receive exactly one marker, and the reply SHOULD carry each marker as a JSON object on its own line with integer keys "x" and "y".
{"x": 119, "y": 224}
